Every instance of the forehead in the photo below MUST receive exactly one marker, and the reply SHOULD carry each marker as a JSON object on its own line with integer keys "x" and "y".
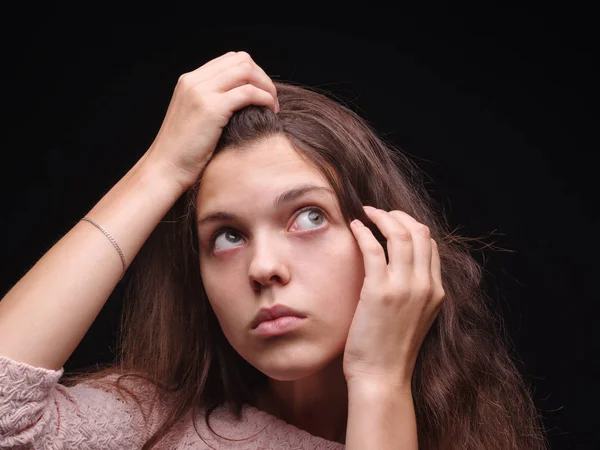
{"x": 259, "y": 171}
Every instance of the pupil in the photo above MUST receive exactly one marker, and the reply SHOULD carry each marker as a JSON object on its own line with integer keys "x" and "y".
{"x": 313, "y": 213}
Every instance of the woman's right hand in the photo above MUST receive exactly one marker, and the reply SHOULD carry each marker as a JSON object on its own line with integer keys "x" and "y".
{"x": 203, "y": 102}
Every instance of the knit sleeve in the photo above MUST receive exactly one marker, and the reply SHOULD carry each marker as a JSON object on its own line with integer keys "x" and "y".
{"x": 36, "y": 412}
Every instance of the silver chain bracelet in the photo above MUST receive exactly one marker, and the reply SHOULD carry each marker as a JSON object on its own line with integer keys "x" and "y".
{"x": 112, "y": 241}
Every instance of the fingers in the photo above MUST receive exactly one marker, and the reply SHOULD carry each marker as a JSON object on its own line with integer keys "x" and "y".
{"x": 399, "y": 239}
{"x": 212, "y": 62}
{"x": 272, "y": 89}
{"x": 411, "y": 251}
{"x": 372, "y": 252}
{"x": 248, "y": 94}
{"x": 421, "y": 242}
{"x": 436, "y": 266}
{"x": 212, "y": 67}
{"x": 246, "y": 72}
{"x": 232, "y": 70}
{"x": 206, "y": 71}
{"x": 268, "y": 84}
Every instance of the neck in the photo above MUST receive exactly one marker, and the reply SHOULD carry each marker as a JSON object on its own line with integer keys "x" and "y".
{"x": 317, "y": 404}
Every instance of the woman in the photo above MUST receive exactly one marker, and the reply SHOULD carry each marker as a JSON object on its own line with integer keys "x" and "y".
{"x": 259, "y": 312}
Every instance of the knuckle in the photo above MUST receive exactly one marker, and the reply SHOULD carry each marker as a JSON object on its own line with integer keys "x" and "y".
{"x": 375, "y": 249}
{"x": 402, "y": 235}
{"x": 441, "y": 296}
{"x": 423, "y": 288}
{"x": 244, "y": 56}
{"x": 197, "y": 98}
{"x": 400, "y": 289}
{"x": 402, "y": 215}
{"x": 424, "y": 230}
{"x": 247, "y": 90}
{"x": 389, "y": 296}
{"x": 197, "y": 93}
{"x": 245, "y": 67}
{"x": 183, "y": 79}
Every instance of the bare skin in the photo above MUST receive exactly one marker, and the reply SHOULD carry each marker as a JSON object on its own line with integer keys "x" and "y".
{"x": 353, "y": 356}
{"x": 365, "y": 320}
{"x": 310, "y": 405}
{"x": 271, "y": 258}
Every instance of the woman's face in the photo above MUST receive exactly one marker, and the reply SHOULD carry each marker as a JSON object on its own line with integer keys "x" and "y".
{"x": 299, "y": 253}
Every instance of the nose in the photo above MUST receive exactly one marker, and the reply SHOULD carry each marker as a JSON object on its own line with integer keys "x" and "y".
{"x": 267, "y": 266}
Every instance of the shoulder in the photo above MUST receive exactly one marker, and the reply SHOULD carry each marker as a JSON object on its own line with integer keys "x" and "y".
{"x": 124, "y": 386}
{"x": 135, "y": 393}
{"x": 37, "y": 411}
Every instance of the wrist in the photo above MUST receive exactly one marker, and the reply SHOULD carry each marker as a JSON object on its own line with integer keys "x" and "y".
{"x": 381, "y": 415}
{"x": 160, "y": 175}
{"x": 377, "y": 390}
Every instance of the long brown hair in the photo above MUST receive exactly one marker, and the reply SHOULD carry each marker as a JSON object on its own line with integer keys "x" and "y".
{"x": 468, "y": 391}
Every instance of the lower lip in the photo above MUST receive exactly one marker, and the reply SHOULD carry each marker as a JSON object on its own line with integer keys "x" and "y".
{"x": 278, "y": 326}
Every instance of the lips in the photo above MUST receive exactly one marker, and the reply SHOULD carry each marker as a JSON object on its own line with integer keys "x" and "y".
{"x": 275, "y": 312}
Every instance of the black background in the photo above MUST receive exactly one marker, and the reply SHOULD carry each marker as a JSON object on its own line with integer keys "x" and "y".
{"x": 496, "y": 108}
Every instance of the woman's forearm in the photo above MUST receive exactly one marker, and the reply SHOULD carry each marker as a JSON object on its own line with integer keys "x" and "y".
{"x": 48, "y": 311}
{"x": 381, "y": 417}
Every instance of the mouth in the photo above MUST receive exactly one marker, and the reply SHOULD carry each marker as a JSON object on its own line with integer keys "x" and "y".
{"x": 273, "y": 314}
{"x": 279, "y": 326}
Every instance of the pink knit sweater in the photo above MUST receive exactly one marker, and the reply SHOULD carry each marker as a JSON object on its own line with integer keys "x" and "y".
{"x": 36, "y": 412}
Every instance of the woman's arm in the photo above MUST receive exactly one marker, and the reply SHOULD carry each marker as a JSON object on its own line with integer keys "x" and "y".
{"x": 37, "y": 412}
{"x": 381, "y": 417}
{"x": 46, "y": 314}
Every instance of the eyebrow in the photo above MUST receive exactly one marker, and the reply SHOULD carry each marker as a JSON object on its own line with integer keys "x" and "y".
{"x": 286, "y": 197}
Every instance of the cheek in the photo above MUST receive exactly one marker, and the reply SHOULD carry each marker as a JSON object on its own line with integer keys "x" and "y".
{"x": 221, "y": 294}
{"x": 341, "y": 279}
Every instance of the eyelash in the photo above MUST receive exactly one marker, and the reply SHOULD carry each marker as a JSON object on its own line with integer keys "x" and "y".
{"x": 221, "y": 230}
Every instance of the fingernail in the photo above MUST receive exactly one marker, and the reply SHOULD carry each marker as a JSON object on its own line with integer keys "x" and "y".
{"x": 357, "y": 223}
{"x": 278, "y": 107}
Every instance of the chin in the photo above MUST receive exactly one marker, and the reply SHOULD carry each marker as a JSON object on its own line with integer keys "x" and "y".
{"x": 289, "y": 374}
{"x": 296, "y": 367}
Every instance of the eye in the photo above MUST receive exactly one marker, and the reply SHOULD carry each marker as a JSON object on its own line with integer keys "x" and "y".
{"x": 315, "y": 215}
{"x": 226, "y": 236}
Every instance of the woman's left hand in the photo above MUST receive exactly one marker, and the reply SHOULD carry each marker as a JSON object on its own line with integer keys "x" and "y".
{"x": 398, "y": 302}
